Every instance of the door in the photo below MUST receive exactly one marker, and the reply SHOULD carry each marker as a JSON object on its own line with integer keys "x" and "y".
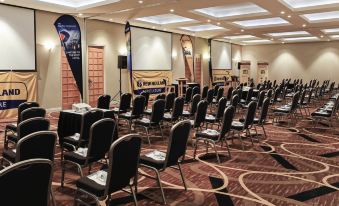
{"x": 95, "y": 73}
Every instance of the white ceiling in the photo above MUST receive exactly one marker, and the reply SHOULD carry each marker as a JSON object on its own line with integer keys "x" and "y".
{"x": 239, "y": 21}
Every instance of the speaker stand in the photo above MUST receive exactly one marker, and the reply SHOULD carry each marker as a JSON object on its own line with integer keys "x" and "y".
{"x": 119, "y": 93}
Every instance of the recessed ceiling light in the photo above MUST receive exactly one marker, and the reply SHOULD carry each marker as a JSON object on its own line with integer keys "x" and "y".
{"x": 153, "y": 27}
{"x": 289, "y": 16}
{"x": 80, "y": 14}
{"x": 2, "y": 0}
{"x": 301, "y": 4}
{"x": 283, "y": 42}
{"x": 172, "y": 10}
{"x": 309, "y": 38}
{"x": 218, "y": 23}
{"x": 140, "y": 2}
{"x": 111, "y": 19}
{"x": 272, "y": 39}
{"x": 242, "y": 30}
{"x": 322, "y": 36}
{"x": 329, "y": 31}
{"x": 262, "y": 22}
{"x": 257, "y": 41}
{"x": 240, "y": 37}
{"x": 204, "y": 27}
{"x": 334, "y": 37}
{"x": 282, "y": 12}
{"x": 78, "y": 3}
{"x": 165, "y": 29}
{"x": 164, "y": 19}
{"x": 304, "y": 25}
{"x": 321, "y": 17}
{"x": 232, "y": 10}
{"x": 208, "y": 20}
{"x": 291, "y": 33}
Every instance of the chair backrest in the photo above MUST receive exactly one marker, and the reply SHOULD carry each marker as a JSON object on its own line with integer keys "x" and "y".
{"x": 227, "y": 120}
{"x": 229, "y": 93}
{"x": 32, "y": 125}
{"x": 239, "y": 94}
{"x": 158, "y": 110}
{"x": 204, "y": 92}
{"x": 103, "y": 101}
{"x": 220, "y": 93}
{"x": 188, "y": 94}
{"x": 169, "y": 101}
{"x": 146, "y": 95}
{"x": 270, "y": 93}
{"x": 201, "y": 113}
{"x": 221, "y": 108}
{"x": 36, "y": 145}
{"x": 24, "y": 106}
{"x": 210, "y": 96}
{"x": 216, "y": 88}
{"x": 250, "y": 114}
{"x": 264, "y": 110}
{"x": 249, "y": 95}
{"x": 195, "y": 90}
{"x": 125, "y": 102}
{"x": 177, "y": 143}
{"x": 160, "y": 96}
{"x": 310, "y": 95}
{"x": 24, "y": 176}
{"x": 178, "y": 108}
{"x": 33, "y": 112}
{"x": 100, "y": 138}
{"x": 295, "y": 101}
{"x": 124, "y": 155}
{"x": 261, "y": 98}
{"x": 234, "y": 101}
{"x": 139, "y": 105}
{"x": 194, "y": 104}
{"x": 302, "y": 96}
{"x": 87, "y": 120}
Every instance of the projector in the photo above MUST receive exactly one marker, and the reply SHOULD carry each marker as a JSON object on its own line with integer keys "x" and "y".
{"x": 81, "y": 107}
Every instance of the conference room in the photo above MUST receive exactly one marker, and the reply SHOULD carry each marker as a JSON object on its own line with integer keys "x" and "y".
{"x": 169, "y": 102}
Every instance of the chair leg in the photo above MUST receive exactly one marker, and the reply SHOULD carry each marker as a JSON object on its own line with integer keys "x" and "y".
{"x": 162, "y": 134}
{"x": 228, "y": 148}
{"x": 147, "y": 134}
{"x": 242, "y": 143}
{"x": 263, "y": 129}
{"x": 160, "y": 186}
{"x": 182, "y": 176}
{"x": 52, "y": 197}
{"x": 62, "y": 173}
{"x": 216, "y": 151}
{"x": 195, "y": 148}
{"x": 134, "y": 196}
{"x": 5, "y": 140}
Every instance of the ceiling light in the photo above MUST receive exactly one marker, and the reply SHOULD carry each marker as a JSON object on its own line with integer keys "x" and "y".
{"x": 208, "y": 20}
{"x": 289, "y": 16}
{"x": 309, "y": 38}
{"x": 322, "y": 36}
{"x": 111, "y": 19}
{"x": 257, "y": 41}
{"x": 80, "y": 14}
{"x": 165, "y": 29}
{"x": 2, "y": 0}
{"x": 240, "y": 37}
{"x": 323, "y": 16}
{"x": 242, "y": 30}
{"x": 301, "y": 4}
{"x": 140, "y": 2}
{"x": 262, "y": 22}
{"x": 282, "y": 12}
{"x": 334, "y": 37}
{"x": 205, "y": 27}
{"x": 172, "y": 10}
{"x": 77, "y": 4}
{"x": 304, "y": 25}
{"x": 218, "y": 23}
{"x": 283, "y": 42}
{"x": 153, "y": 27}
{"x": 291, "y": 33}
{"x": 329, "y": 31}
{"x": 232, "y": 10}
{"x": 164, "y": 19}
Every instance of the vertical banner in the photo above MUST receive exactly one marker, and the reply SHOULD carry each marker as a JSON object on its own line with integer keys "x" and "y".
{"x": 187, "y": 48}
{"x": 210, "y": 61}
{"x": 128, "y": 38}
{"x": 16, "y": 88}
{"x": 70, "y": 36}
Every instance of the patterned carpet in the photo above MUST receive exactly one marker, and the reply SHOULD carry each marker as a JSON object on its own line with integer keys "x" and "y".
{"x": 296, "y": 165}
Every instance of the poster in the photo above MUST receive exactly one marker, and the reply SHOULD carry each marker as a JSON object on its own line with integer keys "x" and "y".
{"x": 220, "y": 76}
{"x": 129, "y": 52}
{"x": 16, "y": 88}
{"x": 153, "y": 82}
{"x": 70, "y": 36}
{"x": 187, "y": 48}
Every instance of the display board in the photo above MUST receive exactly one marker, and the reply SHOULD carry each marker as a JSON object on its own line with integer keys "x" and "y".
{"x": 262, "y": 74}
{"x": 151, "y": 50}
{"x": 221, "y": 55}
{"x": 245, "y": 67}
{"x": 17, "y": 38}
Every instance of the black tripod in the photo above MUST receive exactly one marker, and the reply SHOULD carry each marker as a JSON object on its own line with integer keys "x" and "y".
{"x": 119, "y": 93}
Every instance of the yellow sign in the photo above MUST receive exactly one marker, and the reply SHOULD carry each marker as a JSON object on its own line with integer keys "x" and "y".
{"x": 153, "y": 82}
{"x": 220, "y": 76}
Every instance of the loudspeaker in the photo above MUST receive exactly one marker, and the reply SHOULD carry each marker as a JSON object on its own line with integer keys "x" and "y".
{"x": 122, "y": 62}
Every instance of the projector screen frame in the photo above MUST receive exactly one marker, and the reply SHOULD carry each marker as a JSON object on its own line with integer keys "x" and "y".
{"x": 35, "y": 49}
{"x": 140, "y": 27}
{"x": 230, "y": 53}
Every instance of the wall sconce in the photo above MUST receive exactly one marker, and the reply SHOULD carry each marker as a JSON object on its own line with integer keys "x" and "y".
{"x": 174, "y": 54}
{"x": 49, "y": 45}
{"x": 206, "y": 55}
{"x": 123, "y": 50}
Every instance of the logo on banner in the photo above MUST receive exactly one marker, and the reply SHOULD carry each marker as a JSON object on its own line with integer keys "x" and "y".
{"x": 12, "y": 94}
{"x": 70, "y": 37}
{"x": 187, "y": 48}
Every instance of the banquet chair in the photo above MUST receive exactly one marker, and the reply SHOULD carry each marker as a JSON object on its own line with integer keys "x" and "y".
{"x": 73, "y": 142}
{"x": 136, "y": 113}
{"x": 204, "y": 92}
{"x": 215, "y": 90}
{"x": 158, "y": 110}
{"x": 169, "y": 101}
{"x": 216, "y": 118}
{"x": 177, "y": 111}
{"x": 262, "y": 117}
{"x": 220, "y": 94}
{"x": 13, "y": 127}
{"x": 213, "y": 137}
{"x": 327, "y": 112}
{"x": 200, "y": 115}
{"x": 229, "y": 93}
{"x": 100, "y": 138}
{"x": 195, "y": 90}
{"x": 234, "y": 102}
{"x": 146, "y": 95}
{"x": 193, "y": 107}
{"x": 125, "y": 103}
{"x": 246, "y": 125}
{"x": 210, "y": 97}
{"x": 287, "y": 110}
{"x": 248, "y": 97}
{"x": 33, "y": 112}
{"x": 159, "y": 96}
{"x": 176, "y": 149}
{"x": 122, "y": 171}
{"x": 188, "y": 95}
{"x": 25, "y": 128}
{"x": 104, "y": 101}
{"x": 36, "y": 145}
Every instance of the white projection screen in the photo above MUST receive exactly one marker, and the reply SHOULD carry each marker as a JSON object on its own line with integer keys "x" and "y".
{"x": 221, "y": 55}
{"x": 17, "y": 38}
{"x": 151, "y": 50}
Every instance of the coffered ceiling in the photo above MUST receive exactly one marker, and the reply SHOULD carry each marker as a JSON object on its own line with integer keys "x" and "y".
{"x": 244, "y": 22}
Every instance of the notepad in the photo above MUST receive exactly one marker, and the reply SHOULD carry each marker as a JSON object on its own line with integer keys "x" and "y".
{"x": 76, "y": 136}
{"x": 157, "y": 155}
{"x": 99, "y": 177}
{"x": 82, "y": 151}
{"x": 211, "y": 132}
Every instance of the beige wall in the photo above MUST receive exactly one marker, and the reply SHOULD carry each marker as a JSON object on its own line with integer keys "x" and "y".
{"x": 300, "y": 60}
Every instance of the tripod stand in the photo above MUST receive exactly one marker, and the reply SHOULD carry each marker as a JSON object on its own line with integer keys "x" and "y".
{"x": 119, "y": 93}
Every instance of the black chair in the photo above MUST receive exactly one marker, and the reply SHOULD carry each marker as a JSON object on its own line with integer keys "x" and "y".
{"x": 176, "y": 112}
{"x": 204, "y": 92}
{"x": 81, "y": 140}
{"x": 125, "y": 103}
{"x": 30, "y": 181}
{"x": 229, "y": 93}
{"x": 27, "y": 127}
{"x": 195, "y": 90}
{"x": 327, "y": 112}
{"x": 234, "y": 102}
{"x": 175, "y": 153}
{"x": 36, "y": 145}
{"x": 193, "y": 107}
{"x": 188, "y": 95}
{"x": 104, "y": 101}
{"x": 287, "y": 110}
{"x": 220, "y": 94}
{"x": 261, "y": 98}
{"x": 210, "y": 96}
{"x": 21, "y": 107}
{"x": 215, "y": 90}
{"x": 263, "y": 116}
{"x": 122, "y": 171}
{"x": 33, "y": 112}
{"x": 101, "y": 136}
{"x": 158, "y": 110}
{"x": 137, "y": 111}
{"x": 214, "y": 136}
{"x": 169, "y": 102}
{"x": 160, "y": 96}
{"x": 216, "y": 119}
{"x": 200, "y": 115}
{"x": 247, "y": 124}
{"x": 146, "y": 95}
{"x": 248, "y": 97}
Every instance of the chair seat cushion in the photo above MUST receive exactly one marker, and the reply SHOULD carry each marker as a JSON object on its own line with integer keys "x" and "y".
{"x": 237, "y": 125}
{"x": 72, "y": 141}
{"x": 13, "y": 138}
{"x": 210, "y": 118}
{"x": 186, "y": 114}
{"x": 89, "y": 185}
{"x": 144, "y": 122}
{"x": 283, "y": 109}
{"x": 127, "y": 115}
{"x": 117, "y": 110}
{"x": 75, "y": 157}
{"x": 321, "y": 113}
{"x": 148, "y": 111}
{"x": 208, "y": 134}
{"x": 12, "y": 127}
{"x": 158, "y": 164}
{"x": 167, "y": 117}
{"x": 9, "y": 155}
